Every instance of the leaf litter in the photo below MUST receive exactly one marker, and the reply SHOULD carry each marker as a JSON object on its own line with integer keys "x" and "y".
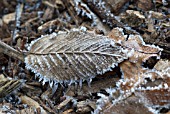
{"x": 128, "y": 80}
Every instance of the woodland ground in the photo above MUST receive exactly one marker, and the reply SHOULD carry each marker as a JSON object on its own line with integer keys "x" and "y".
{"x": 23, "y": 21}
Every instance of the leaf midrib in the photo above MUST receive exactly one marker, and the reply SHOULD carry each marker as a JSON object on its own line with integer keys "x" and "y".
{"x": 77, "y": 52}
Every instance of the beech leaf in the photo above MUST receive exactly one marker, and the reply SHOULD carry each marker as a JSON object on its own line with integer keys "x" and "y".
{"x": 67, "y": 57}
{"x": 76, "y": 56}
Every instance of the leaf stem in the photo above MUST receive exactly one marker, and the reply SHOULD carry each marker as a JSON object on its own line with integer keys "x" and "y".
{"x": 6, "y": 49}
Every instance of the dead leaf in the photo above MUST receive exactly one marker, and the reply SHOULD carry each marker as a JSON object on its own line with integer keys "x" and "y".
{"x": 9, "y": 17}
{"x": 68, "y": 111}
{"x": 158, "y": 95}
{"x": 131, "y": 105}
{"x": 30, "y": 110}
{"x": 77, "y": 56}
{"x": 157, "y": 15}
{"x": 132, "y": 70}
{"x": 72, "y": 56}
{"x": 133, "y": 18}
{"x": 64, "y": 103}
{"x": 145, "y": 4}
{"x": 8, "y": 86}
{"x": 142, "y": 52}
{"x": 30, "y": 102}
{"x": 162, "y": 65}
{"x": 84, "y": 106}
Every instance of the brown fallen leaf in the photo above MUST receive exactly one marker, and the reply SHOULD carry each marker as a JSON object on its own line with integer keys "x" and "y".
{"x": 85, "y": 106}
{"x": 30, "y": 102}
{"x": 68, "y": 111}
{"x": 134, "y": 75}
{"x": 146, "y": 94}
{"x": 163, "y": 65}
{"x": 133, "y": 18}
{"x": 131, "y": 105}
{"x": 30, "y": 110}
{"x": 154, "y": 93}
{"x": 132, "y": 68}
{"x": 9, "y": 17}
{"x": 157, "y": 97}
{"x": 68, "y": 57}
{"x": 145, "y": 4}
{"x": 8, "y": 86}
{"x": 64, "y": 103}
{"x": 77, "y": 56}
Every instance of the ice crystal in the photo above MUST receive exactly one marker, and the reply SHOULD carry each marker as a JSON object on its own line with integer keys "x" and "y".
{"x": 82, "y": 9}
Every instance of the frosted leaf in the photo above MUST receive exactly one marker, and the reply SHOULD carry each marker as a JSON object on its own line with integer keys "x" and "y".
{"x": 73, "y": 56}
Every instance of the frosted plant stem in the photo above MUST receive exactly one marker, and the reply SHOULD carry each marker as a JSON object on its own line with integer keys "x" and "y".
{"x": 19, "y": 9}
{"x": 6, "y": 49}
{"x": 18, "y": 12}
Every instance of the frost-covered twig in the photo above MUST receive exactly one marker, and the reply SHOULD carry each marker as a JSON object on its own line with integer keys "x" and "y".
{"x": 19, "y": 9}
{"x": 104, "y": 13}
{"x": 101, "y": 10}
{"x": 70, "y": 11}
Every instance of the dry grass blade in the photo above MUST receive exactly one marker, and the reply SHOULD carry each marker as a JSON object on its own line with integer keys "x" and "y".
{"x": 73, "y": 56}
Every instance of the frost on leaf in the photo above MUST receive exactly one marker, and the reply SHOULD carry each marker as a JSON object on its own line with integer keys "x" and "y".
{"x": 156, "y": 92}
{"x": 149, "y": 87}
{"x": 72, "y": 56}
{"x": 132, "y": 105}
{"x": 132, "y": 69}
{"x": 152, "y": 92}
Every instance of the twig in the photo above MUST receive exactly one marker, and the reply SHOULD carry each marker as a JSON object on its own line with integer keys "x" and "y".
{"x": 18, "y": 13}
{"x": 19, "y": 9}
{"x": 70, "y": 11}
{"x": 6, "y": 49}
{"x": 104, "y": 13}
